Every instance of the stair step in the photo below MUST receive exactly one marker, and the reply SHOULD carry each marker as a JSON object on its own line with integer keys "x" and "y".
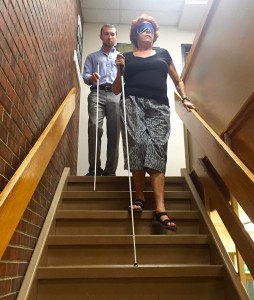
{"x": 119, "y": 223}
{"x": 120, "y": 214}
{"x": 148, "y": 288}
{"x": 89, "y": 254}
{"x": 130, "y": 271}
{"x": 128, "y": 239}
{"x": 120, "y": 194}
{"x": 147, "y": 282}
{"x": 118, "y": 183}
{"x": 98, "y": 250}
{"x": 108, "y": 200}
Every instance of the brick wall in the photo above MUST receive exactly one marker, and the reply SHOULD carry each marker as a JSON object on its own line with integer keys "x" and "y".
{"x": 37, "y": 40}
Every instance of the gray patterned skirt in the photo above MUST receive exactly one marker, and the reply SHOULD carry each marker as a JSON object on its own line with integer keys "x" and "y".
{"x": 148, "y": 130}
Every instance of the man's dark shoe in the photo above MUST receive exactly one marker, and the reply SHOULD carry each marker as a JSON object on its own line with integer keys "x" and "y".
{"x": 98, "y": 172}
{"x": 90, "y": 173}
{"x": 108, "y": 174}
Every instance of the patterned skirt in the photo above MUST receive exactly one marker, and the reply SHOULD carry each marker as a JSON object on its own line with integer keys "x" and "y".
{"x": 148, "y": 130}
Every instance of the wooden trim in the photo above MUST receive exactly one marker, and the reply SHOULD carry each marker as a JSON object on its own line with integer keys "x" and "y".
{"x": 235, "y": 228}
{"x": 198, "y": 37}
{"x": 236, "y": 176}
{"x": 224, "y": 255}
{"x": 244, "y": 113}
{"x": 19, "y": 190}
{"x": 32, "y": 268}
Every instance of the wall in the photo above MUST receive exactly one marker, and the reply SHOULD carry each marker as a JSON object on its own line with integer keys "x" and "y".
{"x": 171, "y": 39}
{"x": 37, "y": 42}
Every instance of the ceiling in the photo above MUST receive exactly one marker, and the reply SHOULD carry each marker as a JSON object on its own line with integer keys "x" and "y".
{"x": 183, "y": 14}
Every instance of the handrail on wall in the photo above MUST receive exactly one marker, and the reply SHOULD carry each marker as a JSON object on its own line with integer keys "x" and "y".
{"x": 230, "y": 169}
{"x": 16, "y": 195}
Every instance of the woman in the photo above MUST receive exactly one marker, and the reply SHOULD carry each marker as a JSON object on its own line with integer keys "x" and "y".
{"x": 147, "y": 112}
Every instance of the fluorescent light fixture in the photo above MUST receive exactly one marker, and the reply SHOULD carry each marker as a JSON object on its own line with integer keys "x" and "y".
{"x": 196, "y": 2}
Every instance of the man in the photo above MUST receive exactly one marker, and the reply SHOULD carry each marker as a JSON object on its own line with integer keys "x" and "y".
{"x": 101, "y": 66}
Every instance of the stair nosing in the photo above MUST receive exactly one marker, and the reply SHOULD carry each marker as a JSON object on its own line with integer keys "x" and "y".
{"x": 121, "y": 214}
{"x": 84, "y": 195}
{"x": 184, "y": 239}
{"x": 130, "y": 271}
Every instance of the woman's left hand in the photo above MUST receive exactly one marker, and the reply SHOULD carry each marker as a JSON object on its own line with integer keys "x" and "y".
{"x": 188, "y": 105}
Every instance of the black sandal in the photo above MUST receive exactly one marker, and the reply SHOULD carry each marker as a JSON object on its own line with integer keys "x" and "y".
{"x": 164, "y": 224}
{"x": 137, "y": 202}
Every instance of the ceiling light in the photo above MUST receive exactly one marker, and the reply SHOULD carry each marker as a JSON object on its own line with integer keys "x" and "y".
{"x": 196, "y": 2}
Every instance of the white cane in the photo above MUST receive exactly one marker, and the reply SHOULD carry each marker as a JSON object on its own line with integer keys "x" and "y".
{"x": 96, "y": 136}
{"x": 128, "y": 164}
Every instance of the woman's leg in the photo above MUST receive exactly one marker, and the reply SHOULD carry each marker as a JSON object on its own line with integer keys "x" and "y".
{"x": 158, "y": 183}
{"x": 138, "y": 179}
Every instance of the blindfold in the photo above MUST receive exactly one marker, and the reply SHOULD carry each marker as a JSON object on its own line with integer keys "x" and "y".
{"x": 144, "y": 26}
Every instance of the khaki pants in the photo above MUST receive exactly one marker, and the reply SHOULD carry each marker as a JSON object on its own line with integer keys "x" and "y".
{"x": 109, "y": 108}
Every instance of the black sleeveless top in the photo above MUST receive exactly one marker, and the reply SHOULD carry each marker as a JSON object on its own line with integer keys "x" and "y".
{"x": 147, "y": 77}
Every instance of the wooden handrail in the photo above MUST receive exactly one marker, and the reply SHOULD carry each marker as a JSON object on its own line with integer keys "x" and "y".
{"x": 34, "y": 262}
{"x": 226, "y": 260}
{"x": 19, "y": 190}
{"x": 235, "y": 175}
{"x": 234, "y": 226}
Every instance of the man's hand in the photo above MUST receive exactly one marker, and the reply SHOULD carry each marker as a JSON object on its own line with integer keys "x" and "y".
{"x": 95, "y": 76}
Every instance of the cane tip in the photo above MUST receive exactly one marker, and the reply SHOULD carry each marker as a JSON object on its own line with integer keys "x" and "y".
{"x": 135, "y": 264}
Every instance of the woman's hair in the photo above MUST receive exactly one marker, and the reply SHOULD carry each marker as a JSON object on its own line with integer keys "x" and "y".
{"x": 135, "y": 24}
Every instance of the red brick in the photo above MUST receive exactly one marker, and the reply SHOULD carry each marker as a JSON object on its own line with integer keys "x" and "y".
{"x": 5, "y": 151}
{"x": 1, "y": 56}
{"x": 9, "y": 74}
{"x": 2, "y": 269}
{"x": 3, "y": 80}
{"x": 12, "y": 296}
{"x": 13, "y": 145}
{"x": 11, "y": 93}
{"x": 8, "y": 123}
{"x": 7, "y": 3}
{"x": 20, "y": 92}
{"x": 20, "y": 239}
{"x": 11, "y": 269}
{"x": 28, "y": 228}
{"x": 15, "y": 163}
{"x": 19, "y": 136}
{"x": 13, "y": 253}
{"x": 8, "y": 171}
{"x": 22, "y": 268}
{"x": 2, "y": 167}
{"x": 28, "y": 134}
{"x": 5, "y": 286}
{"x": 36, "y": 60}
{"x": 16, "y": 284}
{"x": 16, "y": 115}
{"x": 3, "y": 133}
{"x": 3, "y": 182}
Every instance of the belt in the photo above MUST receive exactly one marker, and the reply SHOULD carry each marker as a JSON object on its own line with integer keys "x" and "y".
{"x": 103, "y": 87}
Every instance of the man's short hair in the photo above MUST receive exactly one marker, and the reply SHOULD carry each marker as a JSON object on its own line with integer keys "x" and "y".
{"x": 108, "y": 26}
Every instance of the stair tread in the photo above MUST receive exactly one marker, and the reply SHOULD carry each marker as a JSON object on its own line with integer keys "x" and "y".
{"x": 121, "y": 214}
{"x": 76, "y": 179}
{"x": 120, "y": 194}
{"x": 90, "y": 250}
{"x": 129, "y": 271}
{"x": 128, "y": 239}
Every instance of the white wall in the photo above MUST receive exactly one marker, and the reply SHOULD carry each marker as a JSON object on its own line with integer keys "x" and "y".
{"x": 171, "y": 39}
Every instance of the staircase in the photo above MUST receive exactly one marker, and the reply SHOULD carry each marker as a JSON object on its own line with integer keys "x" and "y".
{"x": 88, "y": 253}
